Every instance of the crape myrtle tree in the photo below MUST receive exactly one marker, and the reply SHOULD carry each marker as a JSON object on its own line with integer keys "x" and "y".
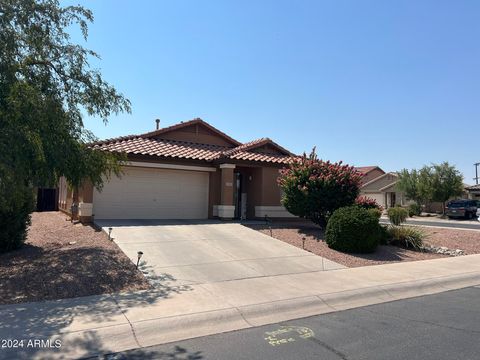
{"x": 46, "y": 84}
{"x": 314, "y": 189}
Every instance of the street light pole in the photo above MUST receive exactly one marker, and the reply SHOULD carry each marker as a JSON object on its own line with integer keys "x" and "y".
{"x": 476, "y": 172}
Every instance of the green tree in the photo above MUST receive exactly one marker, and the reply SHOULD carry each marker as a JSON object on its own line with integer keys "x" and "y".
{"x": 314, "y": 189}
{"x": 46, "y": 84}
{"x": 438, "y": 182}
{"x": 416, "y": 184}
{"x": 447, "y": 182}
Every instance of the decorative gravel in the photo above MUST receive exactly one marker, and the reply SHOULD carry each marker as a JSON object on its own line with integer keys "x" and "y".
{"x": 293, "y": 232}
{"x": 64, "y": 260}
{"x": 466, "y": 240}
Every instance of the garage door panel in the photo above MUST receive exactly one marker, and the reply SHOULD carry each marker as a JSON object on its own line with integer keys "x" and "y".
{"x": 378, "y": 197}
{"x": 143, "y": 193}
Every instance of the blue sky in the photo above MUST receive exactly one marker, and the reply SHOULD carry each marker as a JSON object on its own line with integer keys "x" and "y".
{"x": 388, "y": 83}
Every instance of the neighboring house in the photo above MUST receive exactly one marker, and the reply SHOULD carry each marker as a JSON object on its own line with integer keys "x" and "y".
{"x": 369, "y": 173}
{"x": 381, "y": 186}
{"x": 473, "y": 191}
{"x": 186, "y": 171}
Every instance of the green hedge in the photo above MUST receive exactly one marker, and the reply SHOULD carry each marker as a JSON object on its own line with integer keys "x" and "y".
{"x": 353, "y": 229}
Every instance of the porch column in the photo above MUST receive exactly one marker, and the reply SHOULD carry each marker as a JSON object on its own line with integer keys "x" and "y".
{"x": 226, "y": 209}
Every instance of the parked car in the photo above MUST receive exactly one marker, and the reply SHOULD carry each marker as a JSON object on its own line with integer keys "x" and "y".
{"x": 462, "y": 208}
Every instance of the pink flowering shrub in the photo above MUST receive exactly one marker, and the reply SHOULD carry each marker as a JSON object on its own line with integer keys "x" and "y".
{"x": 367, "y": 203}
{"x": 314, "y": 189}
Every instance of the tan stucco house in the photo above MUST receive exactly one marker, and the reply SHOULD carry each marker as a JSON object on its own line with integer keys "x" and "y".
{"x": 381, "y": 186}
{"x": 190, "y": 170}
{"x": 473, "y": 192}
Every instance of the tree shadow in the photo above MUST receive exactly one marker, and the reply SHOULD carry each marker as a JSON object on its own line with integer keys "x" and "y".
{"x": 70, "y": 321}
{"x": 35, "y": 273}
{"x": 163, "y": 284}
{"x": 177, "y": 353}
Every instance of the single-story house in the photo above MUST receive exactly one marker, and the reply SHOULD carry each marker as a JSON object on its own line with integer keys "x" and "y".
{"x": 381, "y": 186}
{"x": 473, "y": 192}
{"x": 190, "y": 170}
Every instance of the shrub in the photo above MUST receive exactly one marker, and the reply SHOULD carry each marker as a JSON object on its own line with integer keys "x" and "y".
{"x": 397, "y": 215}
{"x": 352, "y": 229}
{"x": 414, "y": 210}
{"x": 367, "y": 203}
{"x": 383, "y": 235}
{"x": 314, "y": 189}
{"x": 375, "y": 212}
{"x": 407, "y": 236}
{"x": 15, "y": 208}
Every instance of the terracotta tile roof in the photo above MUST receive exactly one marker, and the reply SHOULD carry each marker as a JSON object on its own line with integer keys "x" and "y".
{"x": 166, "y": 148}
{"x": 473, "y": 187}
{"x": 150, "y": 144}
{"x": 366, "y": 169}
{"x": 256, "y": 156}
{"x": 251, "y": 145}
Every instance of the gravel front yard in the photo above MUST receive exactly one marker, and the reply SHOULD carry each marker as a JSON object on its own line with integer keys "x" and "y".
{"x": 293, "y": 232}
{"x": 49, "y": 267}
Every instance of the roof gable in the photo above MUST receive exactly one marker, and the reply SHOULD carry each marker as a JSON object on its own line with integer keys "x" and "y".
{"x": 380, "y": 182}
{"x": 195, "y": 131}
{"x": 263, "y": 146}
{"x": 368, "y": 169}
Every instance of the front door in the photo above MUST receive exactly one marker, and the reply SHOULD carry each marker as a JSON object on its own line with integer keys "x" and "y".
{"x": 393, "y": 199}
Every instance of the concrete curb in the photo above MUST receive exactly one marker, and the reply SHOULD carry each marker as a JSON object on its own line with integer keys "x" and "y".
{"x": 177, "y": 328}
{"x": 130, "y": 334}
{"x": 272, "y": 312}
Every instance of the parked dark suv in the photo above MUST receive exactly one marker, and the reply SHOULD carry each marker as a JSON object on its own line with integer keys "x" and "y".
{"x": 462, "y": 208}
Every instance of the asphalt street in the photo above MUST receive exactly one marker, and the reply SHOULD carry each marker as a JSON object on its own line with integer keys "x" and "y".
{"x": 455, "y": 224}
{"x": 441, "y": 326}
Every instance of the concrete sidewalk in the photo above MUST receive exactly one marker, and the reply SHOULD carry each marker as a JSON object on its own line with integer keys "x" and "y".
{"x": 111, "y": 323}
{"x": 436, "y": 222}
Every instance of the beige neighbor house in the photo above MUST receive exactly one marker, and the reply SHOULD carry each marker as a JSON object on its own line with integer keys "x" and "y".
{"x": 186, "y": 171}
{"x": 473, "y": 192}
{"x": 381, "y": 186}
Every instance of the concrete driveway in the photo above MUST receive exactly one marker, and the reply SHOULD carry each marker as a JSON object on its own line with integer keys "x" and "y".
{"x": 188, "y": 252}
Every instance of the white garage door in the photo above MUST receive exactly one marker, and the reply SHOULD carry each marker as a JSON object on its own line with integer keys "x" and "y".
{"x": 379, "y": 197}
{"x": 146, "y": 193}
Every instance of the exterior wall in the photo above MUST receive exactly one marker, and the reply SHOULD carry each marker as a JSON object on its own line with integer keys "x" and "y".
{"x": 65, "y": 196}
{"x": 214, "y": 192}
{"x": 270, "y": 191}
{"x": 380, "y": 183}
{"x": 372, "y": 175}
{"x": 196, "y": 133}
{"x": 474, "y": 195}
{"x": 383, "y": 198}
{"x": 85, "y": 202}
{"x": 226, "y": 208}
{"x": 269, "y": 196}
